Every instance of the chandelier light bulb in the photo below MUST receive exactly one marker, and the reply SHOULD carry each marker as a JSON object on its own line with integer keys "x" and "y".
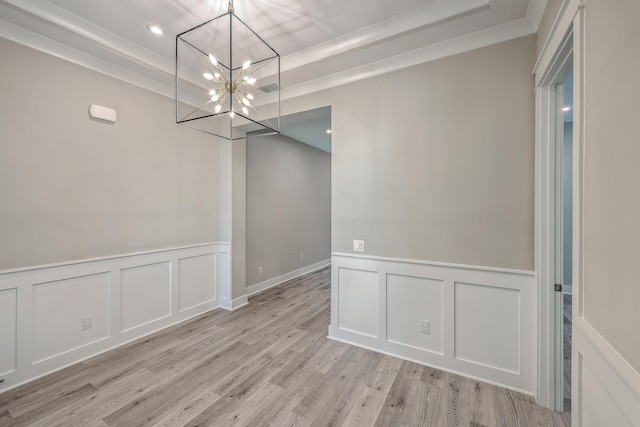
{"x": 245, "y": 111}
{"x": 250, "y": 96}
{"x": 213, "y": 59}
{"x": 215, "y": 97}
{"x": 251, "y": 80}
{"x": 232, "y": 114}
{"x": 246, "y": 64}
{"x": 208, "y": 76}
{"x": 246, "y": 102}
{"x": 218, "y": 108}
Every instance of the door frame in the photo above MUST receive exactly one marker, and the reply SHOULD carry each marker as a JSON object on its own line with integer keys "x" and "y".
{"x": 563, "y": 48}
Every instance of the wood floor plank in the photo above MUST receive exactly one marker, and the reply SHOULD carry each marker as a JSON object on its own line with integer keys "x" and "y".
{"x": 198, "y": 377}
{"x": 90, "y": 409}
{"x": 344, "y": 384}
{"x": 367, "y": 408}
{"x": 187, "y": 408}
{"x": 385, "y": 374}
{"x": 34, "y": 413}
{"x": 266, "y": 364}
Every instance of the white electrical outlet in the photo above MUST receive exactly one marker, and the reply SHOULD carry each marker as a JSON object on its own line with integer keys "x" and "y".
{"x": 260, "y": 270}
{"x": 358, "y": 245}
{"x": 425, "y": 327}
{"x": 87, "y": 322}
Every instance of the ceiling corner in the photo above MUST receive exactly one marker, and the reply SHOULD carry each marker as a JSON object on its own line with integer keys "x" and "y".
{"x": 535, "y": 11}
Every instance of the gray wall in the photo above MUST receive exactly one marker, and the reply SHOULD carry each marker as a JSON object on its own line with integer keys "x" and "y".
{"x": 610, "y": 287}
{"x": 74, "y": 188}
{"x": 436, "y": 162}
{"x": 288, "y": 206}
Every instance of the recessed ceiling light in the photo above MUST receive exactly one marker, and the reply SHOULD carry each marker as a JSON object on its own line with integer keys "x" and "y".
{"x": 329, "y": 131}
{"x": 155, "y": 29}
{"x": 566, "y": 109}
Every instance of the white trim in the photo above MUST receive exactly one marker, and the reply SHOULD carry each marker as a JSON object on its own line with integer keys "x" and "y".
{"x": 436, "y": 263}
{"x": 379, "y": 303}
{"x": 275, "y": 281}
{"x": 535, "y": 11}
{"x": 235, "y": 303}
{"x": 468, "y": 42}
{"x": 556, "y": 37}
{"x": 561, "y": 43}
{"x": 112, "y": 257}
{"x": 421, "y": 362}
{"x": 59, "y": 50}
{"x": 616, "y": 395}
{"x": 430, "y": 15}
{"x": 89, "y": 356}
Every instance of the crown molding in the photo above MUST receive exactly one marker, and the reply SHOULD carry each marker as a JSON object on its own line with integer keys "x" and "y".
{"x": 59, "y": 50}
{"x": 483, "y": 38}
{"x": 143, "y": 68}
{"x": 535, "y": 11}
{"x": 431, "y": 15}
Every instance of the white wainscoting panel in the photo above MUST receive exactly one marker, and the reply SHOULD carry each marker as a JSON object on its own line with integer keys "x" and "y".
{"x": 8, "y": 332}
{"x": 358, "y": 302}
{"x": 487, "y": 318}
{"x": 58, "y": 308}
{"x": 196, "y": 279}
{"x": 411, "y": 300}
{"x": 127, "y": 297}
{"x": 606, "y": 388}
{"x": 481, "y": 320}
{"x": 136, "y": 284}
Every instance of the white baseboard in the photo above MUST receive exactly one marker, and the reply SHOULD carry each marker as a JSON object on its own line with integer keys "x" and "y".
{"x": 605, "y": 387}
{"x": 234, "y": 304}
{"x": 262, "y": 286}
{"x": 480, "y": 320}
{"x": 125, "y": 297}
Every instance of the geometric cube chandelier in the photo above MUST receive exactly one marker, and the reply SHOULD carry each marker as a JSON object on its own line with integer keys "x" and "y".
{"x": 227, "y": 79}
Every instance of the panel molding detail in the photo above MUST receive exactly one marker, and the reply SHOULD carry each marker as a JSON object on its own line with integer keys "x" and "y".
{"x": 8, "y": 331}
{"x": 475, "y": 321}
{"x": 52, "y": 316}
{"x": 605, "y": 387}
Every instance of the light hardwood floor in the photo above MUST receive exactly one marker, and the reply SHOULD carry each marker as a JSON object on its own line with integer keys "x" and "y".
{"x": 266, "y": 364}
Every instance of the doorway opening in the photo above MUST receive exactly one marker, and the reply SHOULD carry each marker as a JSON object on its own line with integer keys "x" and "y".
{"x": 558, "y": 209}
{"x": 564, "y": 229}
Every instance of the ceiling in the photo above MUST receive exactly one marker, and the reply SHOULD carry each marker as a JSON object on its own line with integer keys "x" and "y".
{"x": 322, "y": 43}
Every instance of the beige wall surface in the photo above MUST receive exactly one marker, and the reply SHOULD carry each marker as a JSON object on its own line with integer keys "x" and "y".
{"x": 611, "y": 203}
{"x": 548, "y": 18}
{"x": 74, "y": 188}
{"x": 288, "y": 206}
{"x": 436, "y": 162}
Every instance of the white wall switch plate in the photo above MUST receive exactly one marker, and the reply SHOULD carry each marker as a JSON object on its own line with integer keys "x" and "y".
{"x": 358, "y": 245}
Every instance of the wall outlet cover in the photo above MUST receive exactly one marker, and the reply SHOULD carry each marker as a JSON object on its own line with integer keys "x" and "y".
{"x": 358, "y": 245}
{"x": 425, "y": 327}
